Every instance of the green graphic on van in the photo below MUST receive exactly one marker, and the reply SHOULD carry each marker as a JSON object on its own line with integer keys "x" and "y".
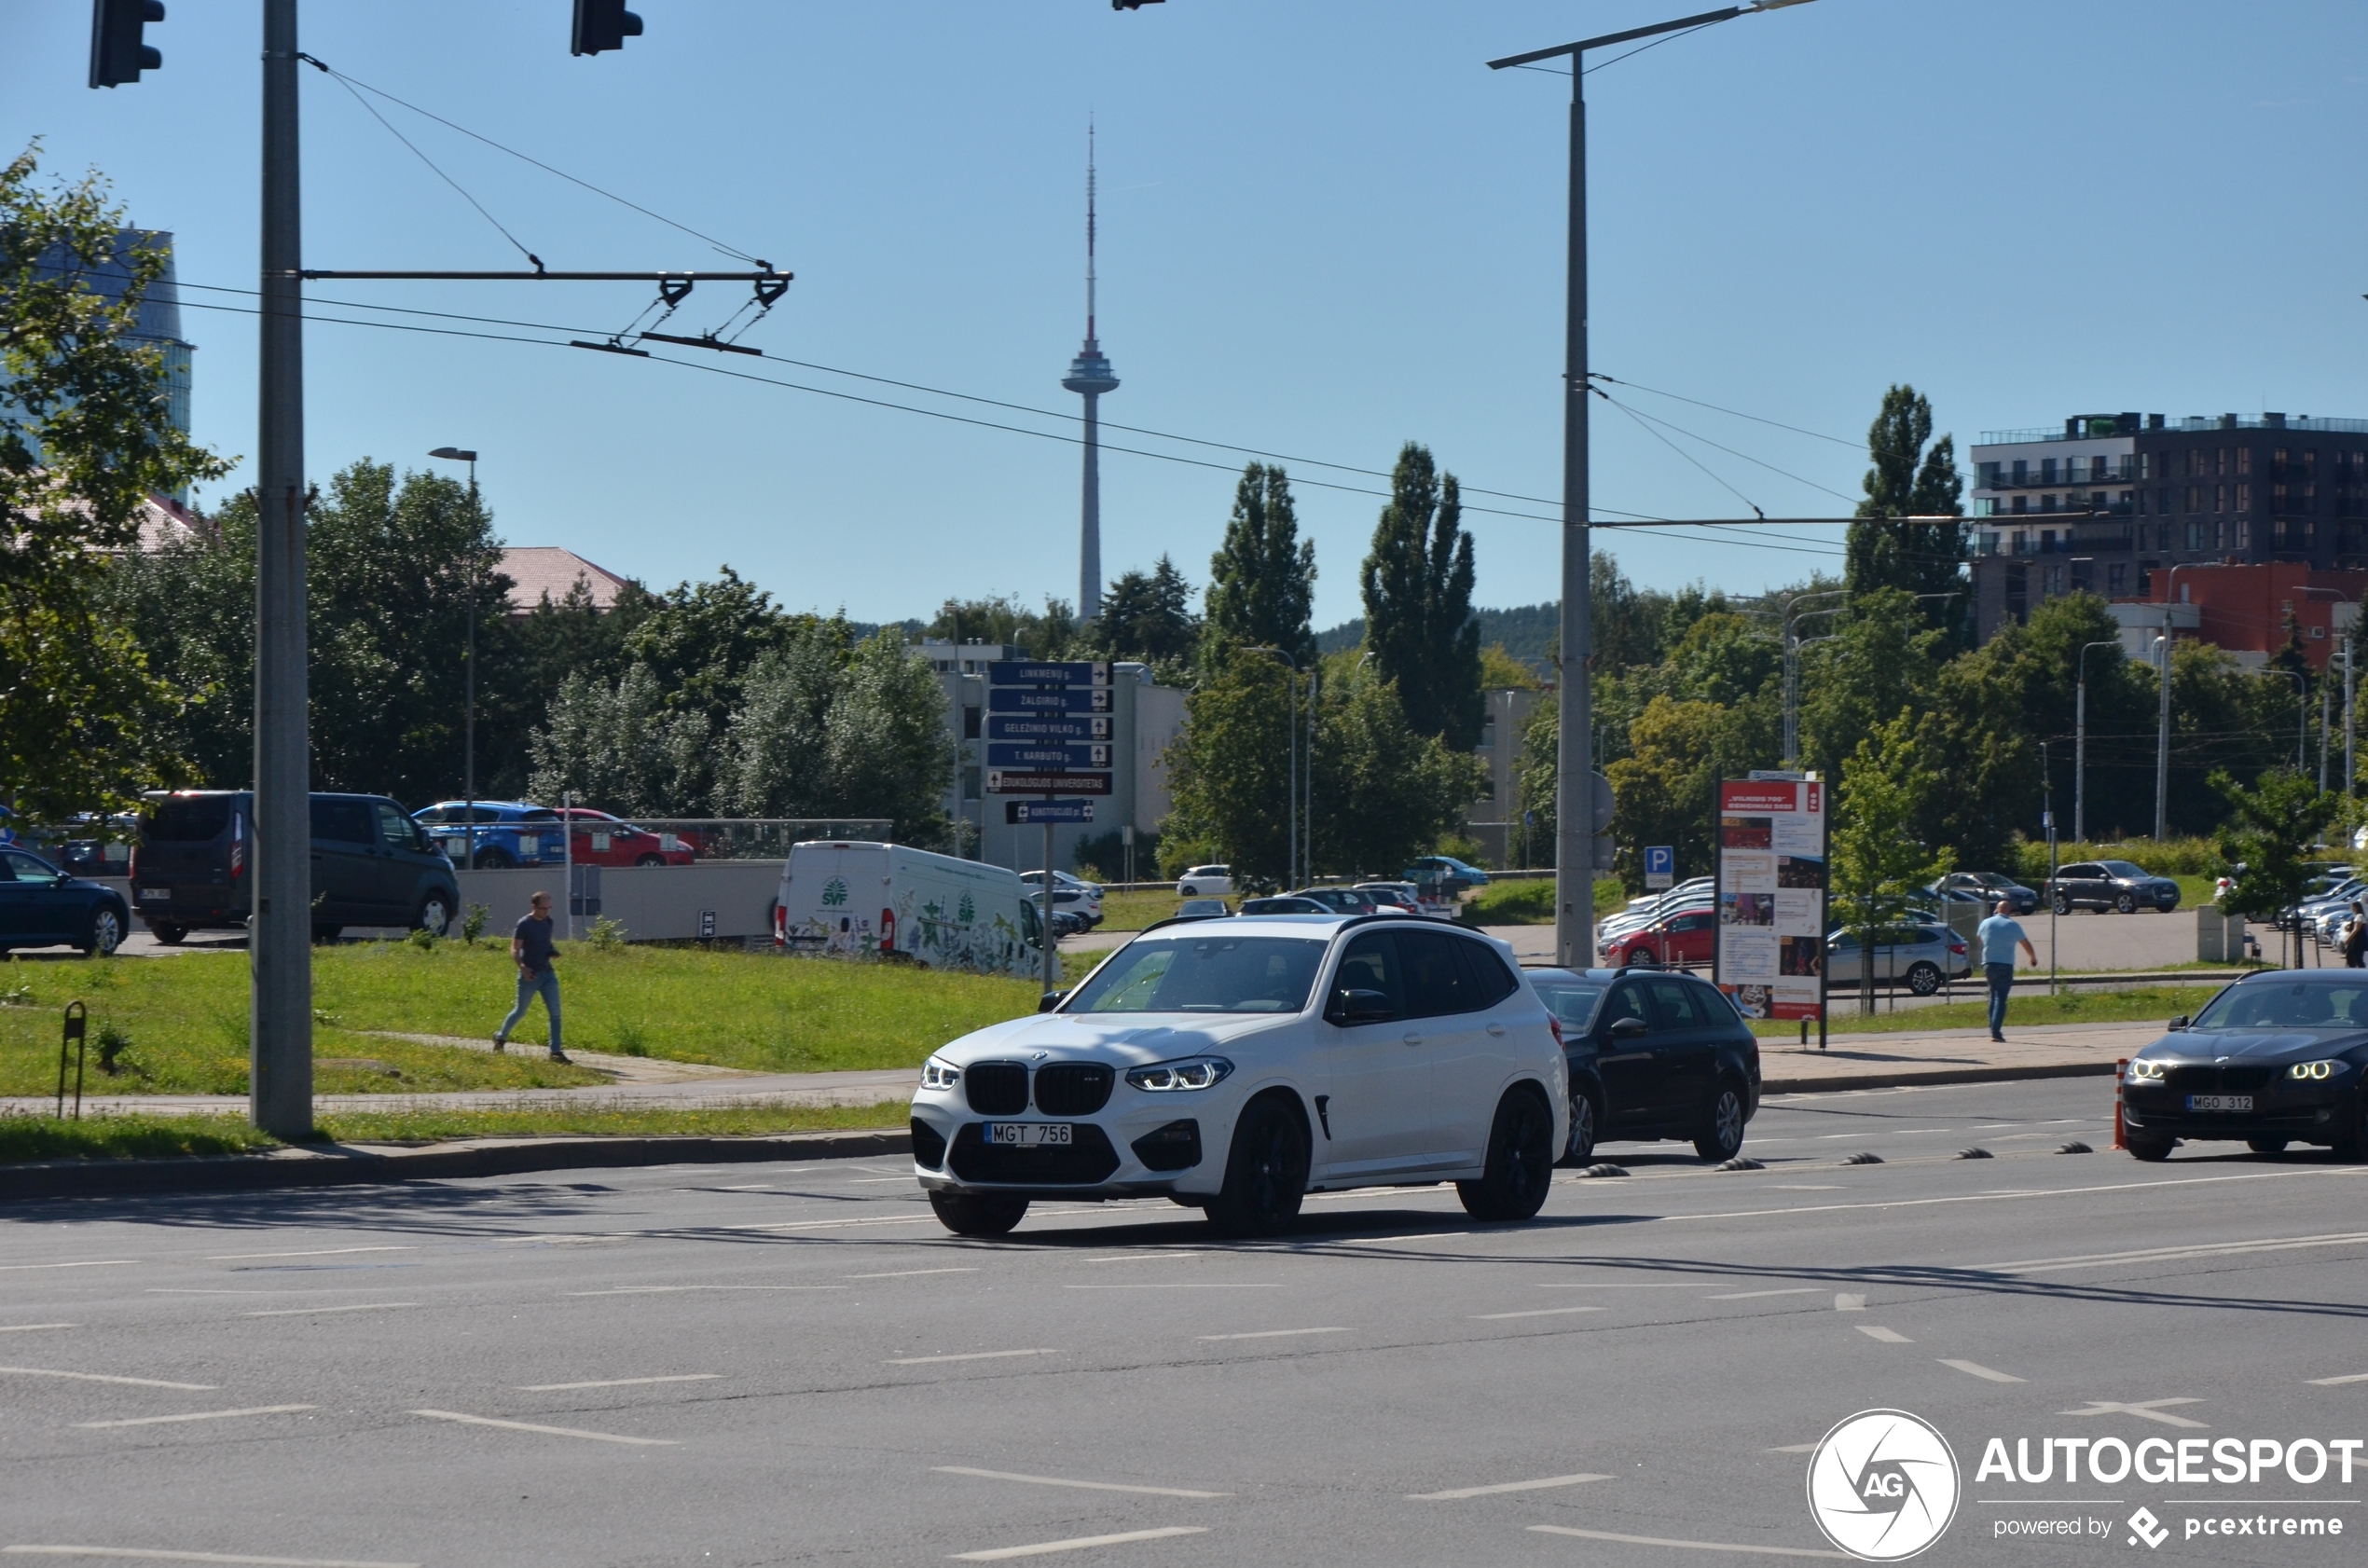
{"x": 834, "y": 891}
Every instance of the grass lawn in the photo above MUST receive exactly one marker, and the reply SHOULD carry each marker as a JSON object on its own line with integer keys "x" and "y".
{"x": 2031, "y": 1004}
{"x": 133, "y": 1136}
{"x": 185, "y": 1017}
{"x": 1132, "y": 912}
{"x": 1531, "y": 902}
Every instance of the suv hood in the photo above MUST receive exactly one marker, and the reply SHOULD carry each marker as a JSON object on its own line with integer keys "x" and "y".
{"x": 2250, "y": 1045}
{"x": 1132, "y": 1040}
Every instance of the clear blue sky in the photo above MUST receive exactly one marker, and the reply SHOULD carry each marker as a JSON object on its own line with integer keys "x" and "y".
{"x": 1327, "y": 229}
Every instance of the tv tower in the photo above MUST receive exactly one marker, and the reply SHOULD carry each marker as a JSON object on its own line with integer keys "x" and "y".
{"x": 1090, "y": 377}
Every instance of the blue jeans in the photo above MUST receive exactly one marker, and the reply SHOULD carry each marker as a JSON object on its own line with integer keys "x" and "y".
{"x": 545, "y": 986}
{"x": 2001, "y": 978}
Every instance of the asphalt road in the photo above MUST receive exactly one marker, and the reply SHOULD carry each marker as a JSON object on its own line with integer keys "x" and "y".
{"x": 793, "y": 1363}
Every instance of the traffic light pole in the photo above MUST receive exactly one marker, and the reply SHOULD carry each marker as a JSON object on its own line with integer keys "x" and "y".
{"x": 279, "y": 922}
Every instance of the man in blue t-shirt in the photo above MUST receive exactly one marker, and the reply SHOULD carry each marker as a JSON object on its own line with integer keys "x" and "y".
{"x": 532, "y": 950}
{"x": 2000, "y": 935}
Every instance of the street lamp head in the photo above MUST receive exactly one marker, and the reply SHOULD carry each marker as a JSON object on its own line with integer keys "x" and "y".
{"x": 454, "y": 453}
{"x": 1779, "y": 4}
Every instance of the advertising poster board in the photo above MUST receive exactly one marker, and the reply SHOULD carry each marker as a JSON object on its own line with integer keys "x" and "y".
{"x": 1770, "y": 953}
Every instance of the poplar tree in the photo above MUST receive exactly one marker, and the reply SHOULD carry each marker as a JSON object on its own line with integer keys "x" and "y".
{"x": 1417, "y": 586}
{"x": 1263, "y": 578}
{"x": 1909, "y": 480}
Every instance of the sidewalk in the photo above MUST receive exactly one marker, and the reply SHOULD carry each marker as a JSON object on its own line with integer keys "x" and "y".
{"x": 1890, "y": 1060}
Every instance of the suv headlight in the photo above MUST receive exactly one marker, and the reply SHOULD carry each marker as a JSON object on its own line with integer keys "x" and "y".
{"x": 938, "y": 1075}
{"x": 2145, "y": 1071}
{"x": 2311, "y": 1069}
{"x": 1193, "y": 1072}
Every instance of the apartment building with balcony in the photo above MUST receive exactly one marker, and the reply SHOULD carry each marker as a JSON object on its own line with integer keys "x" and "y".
{"x": 2109, "y": 499}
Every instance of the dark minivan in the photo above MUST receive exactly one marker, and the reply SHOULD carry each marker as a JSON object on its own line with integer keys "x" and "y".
{"x": 371, "y": 865}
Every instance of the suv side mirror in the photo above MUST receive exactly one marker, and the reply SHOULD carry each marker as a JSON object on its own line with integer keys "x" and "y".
{"x": 2179, "y": 1022}
{"x": 1364, "y": 1006}
{"x": 1050, "y": 1001}
{"x": 1628, "y": 1028}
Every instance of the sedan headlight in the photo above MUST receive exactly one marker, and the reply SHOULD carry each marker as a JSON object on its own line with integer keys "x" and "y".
{"x": 938, "y": 1075}
{"x": 2311, "y": 1069}
{"x": 1193, "y": 1072}
{"x": 2144, "y": 1071}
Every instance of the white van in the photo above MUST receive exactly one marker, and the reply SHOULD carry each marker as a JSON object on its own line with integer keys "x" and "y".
{"x": 849, "y": 897}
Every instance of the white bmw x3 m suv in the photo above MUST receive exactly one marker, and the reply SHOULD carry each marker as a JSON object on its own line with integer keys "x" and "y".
{"x": 1237, "y": 1064}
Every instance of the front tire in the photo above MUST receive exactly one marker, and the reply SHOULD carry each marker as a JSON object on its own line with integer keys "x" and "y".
{"x": 1265, "y": 1173}
{"x": 1923, "y": 979}
{"x": 2126, "y": 903}
{"x": 2267, "y": 1146}
{"x": 2063, "y": 904}
{"x": 167, "y": 933}
{"x": 1639, "y": 956}
{"x": 435, "y": 916}
{"x": 1521, "y": 1159}
{"x": 105, "y": 933}
{"x": 2351, "y": 1148}
{"x": 651, "y": 860}
{"x": 1722, "y": 1134}
{"x": 2152, "y": 1150}
{"x": 978, "y": 1214}
{"x": 1585, "y": 1120}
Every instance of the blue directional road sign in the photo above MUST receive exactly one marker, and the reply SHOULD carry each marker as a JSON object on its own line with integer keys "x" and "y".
{"x": 1048, "y": 699}
{"x": 1053, "y": 728}
{"x": 1661, "y": 865}
{"x": 1017, "y": 812}
{"x": 1022, "y": 673}
{"x": 1019, "y": 754}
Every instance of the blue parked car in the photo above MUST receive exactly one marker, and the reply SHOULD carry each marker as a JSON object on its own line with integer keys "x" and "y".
{"x": 1445, "y": 872}
{"x": 508, "y": 832}
{"x": 41, "y": 906}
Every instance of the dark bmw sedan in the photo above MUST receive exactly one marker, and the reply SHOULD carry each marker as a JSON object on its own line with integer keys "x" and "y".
{"x": 2274, "y": 1059}
{"x": 1652, "y": 1054}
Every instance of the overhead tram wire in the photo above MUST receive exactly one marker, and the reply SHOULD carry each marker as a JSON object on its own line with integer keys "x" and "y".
{"x": 371, "y": 109}
{"x": 1695, "y": 435}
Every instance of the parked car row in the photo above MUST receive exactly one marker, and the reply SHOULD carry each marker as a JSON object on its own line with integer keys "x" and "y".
{"x": 512, "y": 833}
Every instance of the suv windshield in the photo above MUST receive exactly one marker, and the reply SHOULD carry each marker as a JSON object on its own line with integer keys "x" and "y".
{"x": 2308, "y": 1005}
{"x": 1205, "y": 974}
{"x": 2123, "y": 868}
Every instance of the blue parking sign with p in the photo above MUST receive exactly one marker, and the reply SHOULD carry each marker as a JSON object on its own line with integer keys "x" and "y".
{"x": 1661, "y": 865}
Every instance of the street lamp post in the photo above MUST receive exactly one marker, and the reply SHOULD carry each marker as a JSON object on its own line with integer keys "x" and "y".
{"x": 2080, "y": 744}
{"x": 468, "y": 673}
{"x": 1575, "y": 763}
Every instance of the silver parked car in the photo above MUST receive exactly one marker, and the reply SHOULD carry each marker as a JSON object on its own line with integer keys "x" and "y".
{"x": 1927, "y": 959}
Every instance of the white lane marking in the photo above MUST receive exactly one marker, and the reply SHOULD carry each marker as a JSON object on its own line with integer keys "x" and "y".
{"x": 1271, "y": 1334}
{"x": 2322, "y": 1383}
{"x": 93, "y": 1263}
{"x": 1845, "y": 1302}
{"x": 314, "y": 1312}
{"x": 1145, "y": 1258}
{"x": 974, "y": 1356}
{"x": 2175, "y": 1254}
{"x": 158, "y": 1554}
{"x": 1795, "y": 1448}
{"x": 751, "y": 1187}
{"x": 29, "y": 1328}
{"x": 1182, "y": 1285}
{"x": 1081, "y": 1486}
{"x": 313, "y": 1252}
{"x": 1501, "y": 1486}
{"x": 192, "y": 1290}
{"x": 1975, "y": 1369}
{"x": 2149, "y": 1410}
{"x": 1695, "y": 1546}
{"x": 196, "y": 1415}
{"x": 1425, "y": 1236}
{"x": 908, "y": 1273}
{"x": 547, "y": 1431}
{"x": 2321, "y": 1173}
{"x": 616, "y": 1383}
{"x": 677, "y": 1289}
{"x": 1807, "y": 1186}
{"x": 1078, "y": 1543}
{"x": 1756, "y": 1295}
{"x": 101, "y": 1377}
{"x": 1625, "y": 1285}
{"x": 1535, "y": 1312}
{"x": 875, "y": 1181}
{"x": 1889, "y": 1336}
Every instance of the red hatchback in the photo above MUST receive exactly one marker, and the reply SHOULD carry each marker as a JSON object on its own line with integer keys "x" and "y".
{"x": 1684, "y": 937}
{"x": 603, "y": 840}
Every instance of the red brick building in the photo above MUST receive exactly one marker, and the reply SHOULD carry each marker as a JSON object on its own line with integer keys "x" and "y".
{"x": 2252, "y": 609}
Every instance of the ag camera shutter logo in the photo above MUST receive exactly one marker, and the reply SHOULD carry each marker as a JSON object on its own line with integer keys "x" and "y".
{"x": 1883, "y": 1485}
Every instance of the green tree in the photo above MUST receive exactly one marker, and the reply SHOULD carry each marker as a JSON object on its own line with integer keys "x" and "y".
{"x": 1880, "y": 867}
{"x": 701, "y": 641}
{"x": 886, "y": 738}
{"x": 1263, "y": 578}
{"x": 1909, "y": 480}
{"x": 1665, "y": 791}
{"x": 620, "y": 749}
{"x": 777, "y": 760}
{"x": 84, "y": 441}
{"x": 1148, "y": 616}
{"x": 1229, "y": 773}
{"x": 2270, "y": 834}
{"x": 1417, "y": 588}
{"x": 1383, "y": 792}
{"x": 1883, "y": 657}
{"x": 1052, "y": 633}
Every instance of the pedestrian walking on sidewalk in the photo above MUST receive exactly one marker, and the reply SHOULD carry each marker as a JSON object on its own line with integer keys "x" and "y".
{"x": 2356, "y": 938}
{"x": 2000, "y": 935}
{"x": 532, "y": 950}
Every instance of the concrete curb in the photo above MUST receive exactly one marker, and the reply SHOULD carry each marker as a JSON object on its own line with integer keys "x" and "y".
{"x": 1911, "y": 1077}
{"x": 349, "y": 1164}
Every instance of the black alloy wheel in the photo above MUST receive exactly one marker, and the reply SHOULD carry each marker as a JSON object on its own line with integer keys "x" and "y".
{"x": 2267, "y": 1146}
{"x": 1585, "y": 1119}
{"x": 167, "y": 933}
{"x": 978, "y": 1214}
{"x": 1265, "y": 1173}
{"x": 1923, "y": 978}
{"x": 1521, "y": 1159}
{"x": 1722, "y": 1134}
{"x": 2150, "y": 1149}
{"x": 2126, "y": 903}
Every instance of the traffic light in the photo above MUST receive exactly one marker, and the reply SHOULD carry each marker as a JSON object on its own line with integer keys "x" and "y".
{"x": 116, "y": 53}
{"x": 601, "y": 24}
